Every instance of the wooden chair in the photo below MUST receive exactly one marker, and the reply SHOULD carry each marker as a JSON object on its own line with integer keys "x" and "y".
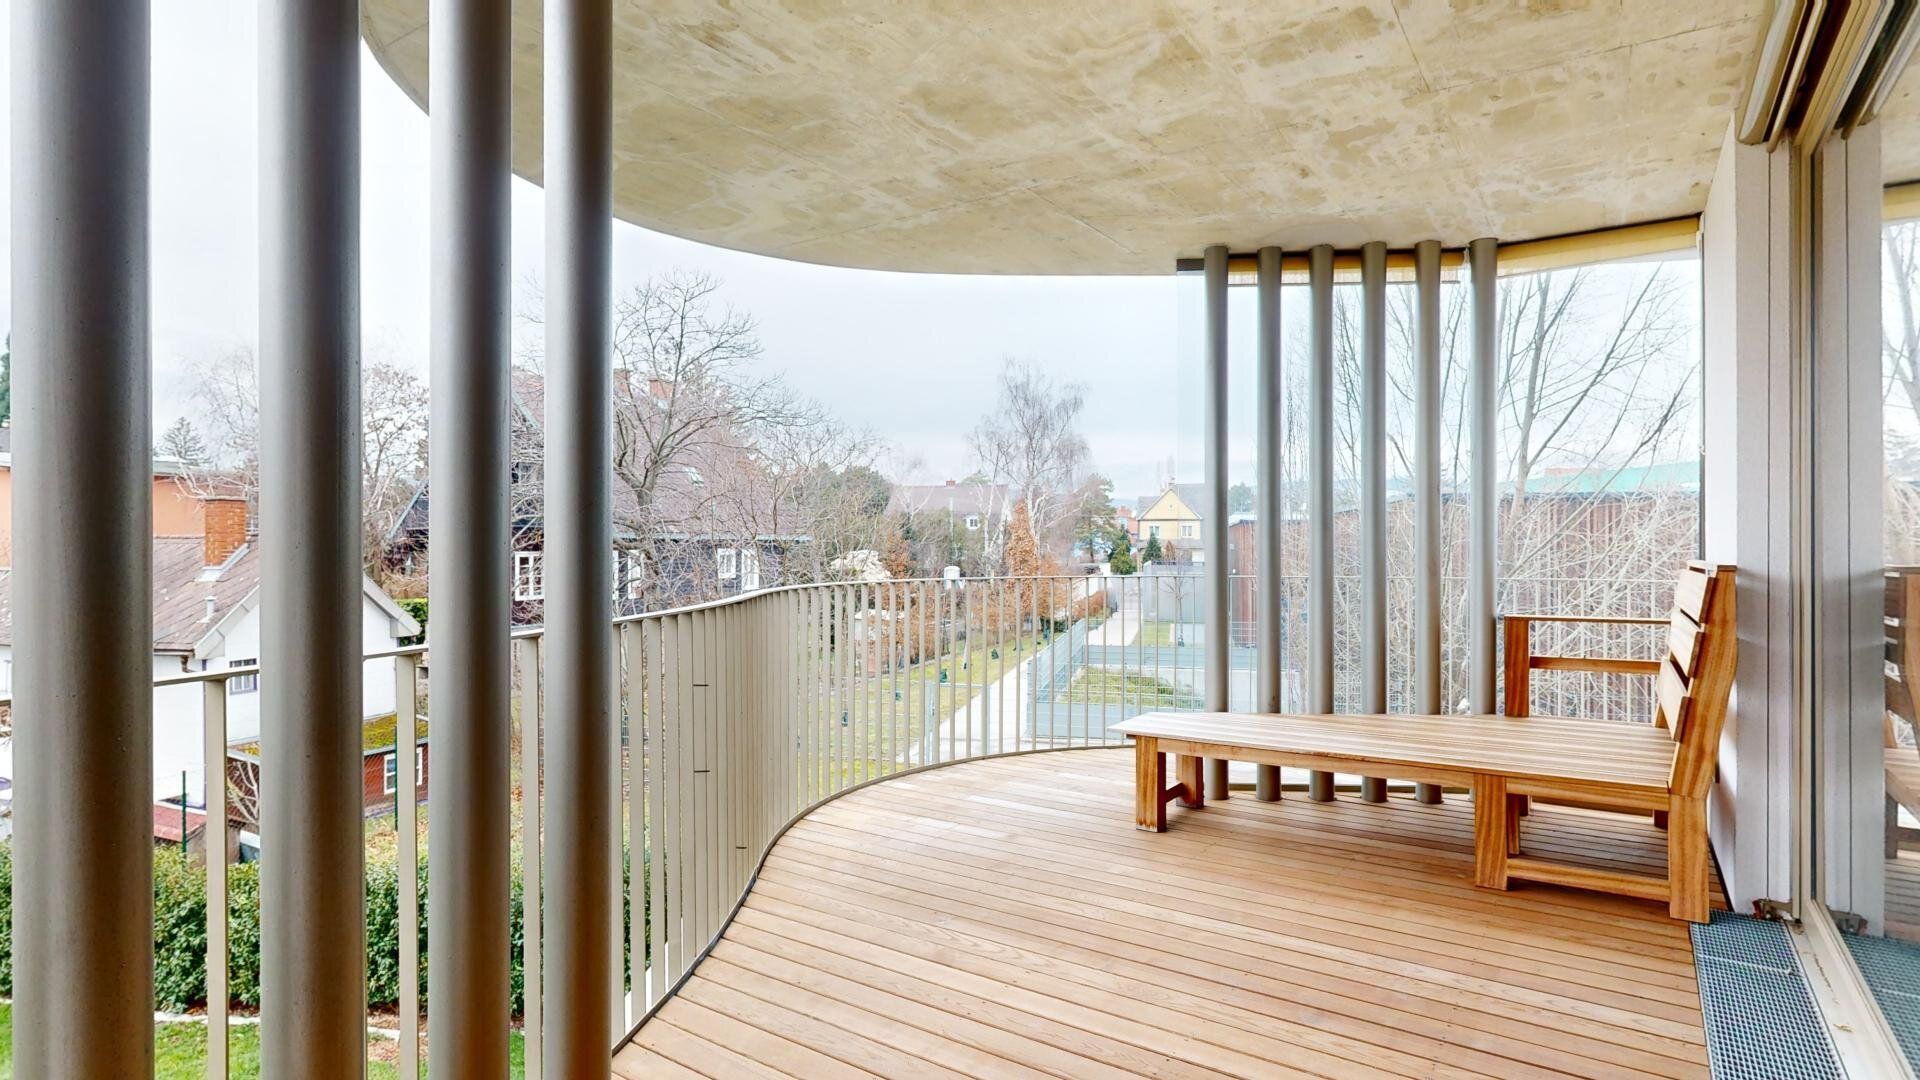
{"x": 1902, "y": 669}
{"x": 1666, "y": 766}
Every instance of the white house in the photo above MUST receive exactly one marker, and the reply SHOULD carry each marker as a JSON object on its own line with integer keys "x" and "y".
{"x": 206, "y": 617}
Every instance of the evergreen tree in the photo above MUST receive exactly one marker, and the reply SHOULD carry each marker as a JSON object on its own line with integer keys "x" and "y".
{"x": 6, "y": 381}
{"x": 1122, "y": 561}
{"x": 182, "y": 442}
{"x": 1153, "y": 552}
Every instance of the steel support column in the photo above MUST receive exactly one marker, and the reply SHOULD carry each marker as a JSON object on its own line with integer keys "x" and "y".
{"x": 1428, "y": 585}
{"x": 1267, "y": 617}
{"x": 467, "y": 543}
{"x": 579, "y": 536}
{"x": 83, "y": 553}
{"x": 1483, "y": 266}
{"x": 1214, "y": 516}
{"x": 313, "y": 955}
{"x": 1320, "y": 500}
{"x": 1373, "y": 492}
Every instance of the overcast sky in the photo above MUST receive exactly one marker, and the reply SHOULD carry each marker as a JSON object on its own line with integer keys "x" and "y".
{"x": 912, "y": 357}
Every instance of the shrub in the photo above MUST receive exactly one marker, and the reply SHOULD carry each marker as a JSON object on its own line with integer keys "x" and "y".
{"x": 415, "y": 606}
{"x": 180, "y": 931}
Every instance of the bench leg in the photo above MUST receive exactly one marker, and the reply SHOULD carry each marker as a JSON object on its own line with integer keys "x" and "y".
{"x": 1687, "y": 859}
{"x": 1149, "y": 785}
{"x": 1491, "y": 813}
{"x": 1516, "y": 809}
{"x": 1193, "y": 788}
{"x": 1493, "y": 826}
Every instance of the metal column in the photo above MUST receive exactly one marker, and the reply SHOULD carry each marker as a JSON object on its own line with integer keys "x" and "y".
{"x": 1214, "y": 517}
{"x": 468, "y": 540}
{"x": 313, "y": 955}
{"x": 1373, "y": 492}
{"x": 83, "y": 554}
{"x": 1267, "y": 617}
{"x": 1320, "y": 501}
{"x": 579, "y": 539}
{"x": 1428, "y": 584}
{"x": 1482, "y": 263}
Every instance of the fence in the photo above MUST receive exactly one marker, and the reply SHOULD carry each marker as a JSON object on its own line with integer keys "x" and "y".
{"x": 737, "y": 716}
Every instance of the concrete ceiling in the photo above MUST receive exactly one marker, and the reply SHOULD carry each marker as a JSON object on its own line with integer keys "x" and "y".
{"x": 1900, "y": 129}
{"x": 1112, "y": 136}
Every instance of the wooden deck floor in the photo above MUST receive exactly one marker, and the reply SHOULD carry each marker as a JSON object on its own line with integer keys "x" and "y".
{"x": 1004, "y": 918}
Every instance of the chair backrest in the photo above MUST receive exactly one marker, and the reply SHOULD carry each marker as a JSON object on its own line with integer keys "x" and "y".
{"x": 1696, "y": 676}
{"x": 1902, "y": 666}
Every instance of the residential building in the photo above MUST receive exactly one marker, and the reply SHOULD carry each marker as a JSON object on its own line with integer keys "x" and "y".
{"x": 958, "y": 523}
{"x": 686, "y": 543}
{"x": 206, "y": 618}
{"x": 177, "y": 506}
{"x": 1171, "y": 517}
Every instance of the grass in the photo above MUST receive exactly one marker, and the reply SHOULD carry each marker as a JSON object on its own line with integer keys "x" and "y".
{"x": 180, "y": 1051}
{"x": 1156, "y": 634}
{"x": 1100, "y": 686}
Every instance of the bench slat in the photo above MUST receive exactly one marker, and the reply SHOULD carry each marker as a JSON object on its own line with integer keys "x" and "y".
{"x": 1683, "y": 642}
{"x": 1690, "y": 593}
{"x": 1674, "y": 700}
{"x": 1532, "y": 748}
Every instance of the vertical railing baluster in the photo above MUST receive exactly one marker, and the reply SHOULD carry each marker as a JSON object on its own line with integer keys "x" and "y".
{"x": 680, "y": 779}
{"x": 843, "y": 649}
{"x": 628, "y": 812}
{"x": 213, "y": 748}
{"x": 616, "y": 885}
{"x": 808, "y": 643}
{"x": 890, "y": 681}
{"x": 857, "y": 680}
{"x": 532, "y": 972}
{"x": 948, "y": 649}
{"x": 655, "y": 782}
{"x": 406, "y": 794}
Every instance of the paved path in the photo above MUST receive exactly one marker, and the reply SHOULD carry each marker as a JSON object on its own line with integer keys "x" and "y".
{"x": 980, "y": 724}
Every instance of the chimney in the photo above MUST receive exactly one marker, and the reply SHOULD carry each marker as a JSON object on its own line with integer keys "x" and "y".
{"x": 224, "y": 529}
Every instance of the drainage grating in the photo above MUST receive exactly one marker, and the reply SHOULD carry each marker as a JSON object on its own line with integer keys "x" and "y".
{"x": 1892, "y": 971}
{"x": 1761, "y": 1021}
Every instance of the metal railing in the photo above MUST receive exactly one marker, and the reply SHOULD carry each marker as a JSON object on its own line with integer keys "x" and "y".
{"x": 736, "y": 717}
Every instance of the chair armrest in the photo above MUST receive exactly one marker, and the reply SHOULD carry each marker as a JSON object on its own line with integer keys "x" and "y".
{"x": 1614, "y": 620}
{"x": 1521, "y": 660}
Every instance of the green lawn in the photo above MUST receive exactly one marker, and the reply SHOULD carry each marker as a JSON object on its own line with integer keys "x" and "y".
{"x": 180, "y": 1051}
{"x": 1101, "y": 686}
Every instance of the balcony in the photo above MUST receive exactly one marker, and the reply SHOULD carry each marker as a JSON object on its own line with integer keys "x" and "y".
{"x": 1493, "y": 309}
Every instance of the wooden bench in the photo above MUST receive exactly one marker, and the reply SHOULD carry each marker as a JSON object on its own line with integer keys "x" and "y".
{"x": 1663, "y": 767}
{"x": 1901, "y": 669}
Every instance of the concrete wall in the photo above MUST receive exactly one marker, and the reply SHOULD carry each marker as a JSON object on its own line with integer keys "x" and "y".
{"x": 1745, "y": 507}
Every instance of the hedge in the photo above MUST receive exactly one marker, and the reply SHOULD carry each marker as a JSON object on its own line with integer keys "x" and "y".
{"x": 180, "y": 932}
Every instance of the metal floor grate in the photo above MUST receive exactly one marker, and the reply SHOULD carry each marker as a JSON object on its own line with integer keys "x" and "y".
{"x": 1761, "y": 1021}
{"x": 1892, "y": 971}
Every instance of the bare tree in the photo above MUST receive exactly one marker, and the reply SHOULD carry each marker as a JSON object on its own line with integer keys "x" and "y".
{"x": 1031, "y": 440}
{"x": 393, "y": 452}
{"x": 393, "y": 407}
{"x": 1597, "y": 381}
{"x": 707, "y": 442}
